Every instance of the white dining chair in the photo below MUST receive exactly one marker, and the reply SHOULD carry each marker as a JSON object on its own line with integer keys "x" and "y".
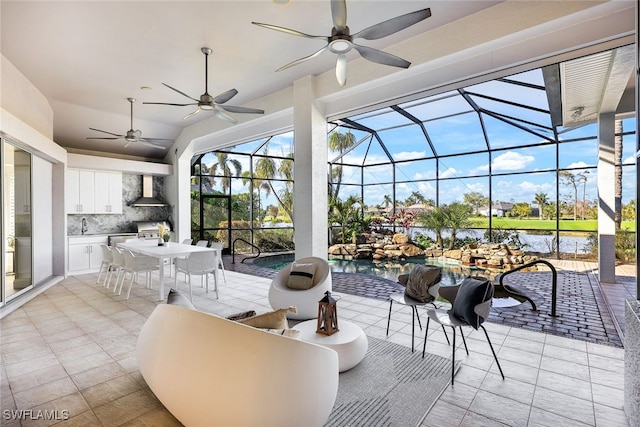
{"x": 203, "y": 243}
{"x": 199, "y": 264}
{"x": 219, "y": 246}
{"x": 105, "y": 265}
{"x": 135, "y": 264}
{"x": 117, "y": 267}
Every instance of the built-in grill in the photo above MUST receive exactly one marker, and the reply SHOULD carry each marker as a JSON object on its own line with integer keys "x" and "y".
{"x": 149, "y": 229}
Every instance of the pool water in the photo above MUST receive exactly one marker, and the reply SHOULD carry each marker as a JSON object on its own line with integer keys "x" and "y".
{"x": 452, "y": 273}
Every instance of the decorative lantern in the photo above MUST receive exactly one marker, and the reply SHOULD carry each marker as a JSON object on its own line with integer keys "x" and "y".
{"x": 327, "y": 315}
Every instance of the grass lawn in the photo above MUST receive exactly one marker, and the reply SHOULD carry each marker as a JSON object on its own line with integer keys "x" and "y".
{"x": 545, "y": 224}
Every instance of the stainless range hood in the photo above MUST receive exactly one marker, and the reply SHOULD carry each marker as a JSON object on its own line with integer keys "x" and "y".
{"x": 148, "y": 199}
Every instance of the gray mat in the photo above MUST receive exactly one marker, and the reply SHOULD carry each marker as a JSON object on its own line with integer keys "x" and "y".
{"x": 390, "y": 387}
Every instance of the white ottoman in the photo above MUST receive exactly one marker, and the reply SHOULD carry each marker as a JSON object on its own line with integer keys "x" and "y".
{"x": 349, "y": 342}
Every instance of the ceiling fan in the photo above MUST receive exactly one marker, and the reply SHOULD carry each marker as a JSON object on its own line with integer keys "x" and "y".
{"x": 208, "y": 102}
{"x": 341, "y": 40}
{"x": 133, "y": 135}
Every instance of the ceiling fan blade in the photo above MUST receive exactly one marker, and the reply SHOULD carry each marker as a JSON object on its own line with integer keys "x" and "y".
{"x": 157, "y": 140}
{"x": 180, "y": 92}
{"x": 170, "y": 103}
{"x": 233, "y": 109}
{"x": 101, "y": 137}
{"x": 127, "y": 144}
{"x": 339, "y": 14}
{"x": 110, "y": 133}
{"x": 224, "y": 116}
{"x": 384, "y": 58}
{"x": 393, "y": 25}
{"x": 137, "y": 133}
{"x": 288, "y": 31}
{"x": 341, "y": 69}
{"x": 188, "y": 116}
{"x": 298, "y": 61}
{"x": 144, "y": 141}
{"x": 224, "y": 97}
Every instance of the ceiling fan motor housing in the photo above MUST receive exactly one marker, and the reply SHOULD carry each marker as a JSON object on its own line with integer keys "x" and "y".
{"x": 206, "y": 102}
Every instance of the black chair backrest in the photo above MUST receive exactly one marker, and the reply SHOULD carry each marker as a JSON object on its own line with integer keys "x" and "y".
{"x": 421, "y": 278}
{"x": 472, "y": 292}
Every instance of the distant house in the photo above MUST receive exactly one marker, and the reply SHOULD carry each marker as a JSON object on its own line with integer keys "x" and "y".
{"x": 499, "y": 209}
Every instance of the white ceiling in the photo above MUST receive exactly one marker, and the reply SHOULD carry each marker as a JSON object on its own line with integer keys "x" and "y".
{"x": 88, "y": 57}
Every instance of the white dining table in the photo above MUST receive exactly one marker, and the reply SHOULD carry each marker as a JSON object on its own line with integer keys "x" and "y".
{"x": 167, "y": 251}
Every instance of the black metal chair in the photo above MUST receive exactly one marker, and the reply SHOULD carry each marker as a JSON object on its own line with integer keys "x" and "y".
{"x": 429, "y": 289}
{"x": 470, "y": 304}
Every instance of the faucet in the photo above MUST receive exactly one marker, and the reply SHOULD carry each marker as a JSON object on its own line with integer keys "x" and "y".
{"x": 84, "y": 225}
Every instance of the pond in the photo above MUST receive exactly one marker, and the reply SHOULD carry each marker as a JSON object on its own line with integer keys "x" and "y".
{"x": 574, "y": 243}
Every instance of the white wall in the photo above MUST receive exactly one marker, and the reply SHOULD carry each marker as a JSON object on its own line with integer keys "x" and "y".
{"x": 24, "y": 100}
{"x": 27, "y": 119}
{"x": 42, "y": 230}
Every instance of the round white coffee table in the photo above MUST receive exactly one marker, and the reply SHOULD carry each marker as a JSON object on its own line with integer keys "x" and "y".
{"x": 349, "y": 342}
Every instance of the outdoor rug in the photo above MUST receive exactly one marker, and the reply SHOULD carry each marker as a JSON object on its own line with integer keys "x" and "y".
{"x": 390, "y": 387}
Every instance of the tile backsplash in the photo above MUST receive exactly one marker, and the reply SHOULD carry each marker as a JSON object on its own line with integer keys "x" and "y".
{"x": 125, "y": 222}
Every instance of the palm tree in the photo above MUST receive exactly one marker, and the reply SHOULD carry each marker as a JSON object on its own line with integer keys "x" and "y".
{"x": 343, "y": 212}
{"x": 386, "y": 200}
{"x": 286, "y": 198}
{"x": 224, "y": 166}
{"x": 457, "y": 218}
{"x": 540, "y": 199}
{"x": 266, "y": 171}
{"x": 339, "y": 142}
{"x": 436, "y": 221}
{"x": 257, "y": 185}
{"x": 415, "y": 198}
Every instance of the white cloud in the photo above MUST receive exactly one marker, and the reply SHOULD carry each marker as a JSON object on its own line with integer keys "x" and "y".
{"x": 579, "y": 164}
{"x": 528, "y": 187}
{"x": 448, "y": 173}
{"x": 476, "y": 187}
{"x": 509, "y": 161}
{"x": 409, "y": 155}
{"x": 430, "y": 174}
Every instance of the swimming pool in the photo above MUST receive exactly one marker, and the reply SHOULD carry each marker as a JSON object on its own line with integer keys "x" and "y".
{"x": 452, "y": 273}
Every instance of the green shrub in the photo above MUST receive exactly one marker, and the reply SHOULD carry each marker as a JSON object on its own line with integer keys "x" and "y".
{"x": 625, "y": 245}
{"x": 507, "y": 236}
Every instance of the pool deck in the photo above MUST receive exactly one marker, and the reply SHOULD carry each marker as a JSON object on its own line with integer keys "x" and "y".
{"x": 586, "y": 310}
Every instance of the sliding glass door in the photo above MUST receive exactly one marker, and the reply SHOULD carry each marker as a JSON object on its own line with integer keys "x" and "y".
{"x": 16, "y": 219}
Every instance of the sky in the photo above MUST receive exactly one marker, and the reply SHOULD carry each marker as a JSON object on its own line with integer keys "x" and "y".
{"x": 523, "y": 163}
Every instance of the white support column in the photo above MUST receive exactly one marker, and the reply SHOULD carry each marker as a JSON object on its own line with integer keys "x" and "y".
{"x": 606, "y": 199}
{"x": 310, "y": 172}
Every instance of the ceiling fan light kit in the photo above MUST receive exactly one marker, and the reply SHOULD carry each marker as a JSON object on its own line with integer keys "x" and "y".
{"x": 341, "y": 41}
{"x": 207, "y": 102}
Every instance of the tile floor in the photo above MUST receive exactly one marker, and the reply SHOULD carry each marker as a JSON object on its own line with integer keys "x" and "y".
{"x": 72, "y": 350}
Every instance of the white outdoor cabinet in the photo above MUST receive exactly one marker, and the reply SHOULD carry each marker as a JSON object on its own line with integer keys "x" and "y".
{"x": 80, "y": 191}
{"x": 85, "y": 254}
{"x": 108, "y": 192}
